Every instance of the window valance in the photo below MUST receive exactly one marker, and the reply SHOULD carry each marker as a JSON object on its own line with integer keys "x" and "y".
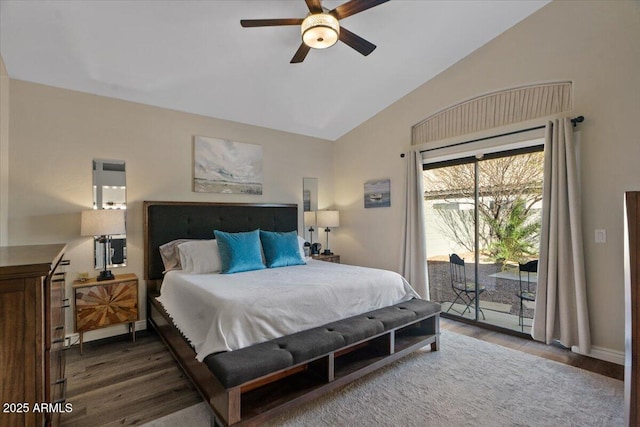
{"x": 495, "y": 110}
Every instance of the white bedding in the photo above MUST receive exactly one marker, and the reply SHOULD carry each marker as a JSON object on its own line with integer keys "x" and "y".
{"x": 223, "y": 312}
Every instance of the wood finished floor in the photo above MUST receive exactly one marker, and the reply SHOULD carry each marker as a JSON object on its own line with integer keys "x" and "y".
{"x": 119, "y": 383}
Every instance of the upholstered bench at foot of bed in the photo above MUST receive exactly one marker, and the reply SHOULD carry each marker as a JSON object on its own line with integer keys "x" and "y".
{"x": 240, "y": 366}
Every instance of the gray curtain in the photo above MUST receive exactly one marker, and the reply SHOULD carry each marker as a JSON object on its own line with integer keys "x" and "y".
{"x": 413, "y": 258}
{"x": 561, "y": 311}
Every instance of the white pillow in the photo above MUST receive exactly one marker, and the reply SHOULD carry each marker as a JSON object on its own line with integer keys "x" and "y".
{"x": 301, "y": 243}
{"x": 200, "y": 256}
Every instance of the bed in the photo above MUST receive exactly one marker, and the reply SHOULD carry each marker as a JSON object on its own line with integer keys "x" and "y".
{"x": 278, "y": 337}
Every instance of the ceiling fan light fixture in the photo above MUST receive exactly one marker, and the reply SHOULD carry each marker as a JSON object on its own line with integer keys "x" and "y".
{"x": 320, "y": 30}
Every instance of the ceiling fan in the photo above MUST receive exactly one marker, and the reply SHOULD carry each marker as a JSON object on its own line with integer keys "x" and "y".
{"x": 321, "y": 29}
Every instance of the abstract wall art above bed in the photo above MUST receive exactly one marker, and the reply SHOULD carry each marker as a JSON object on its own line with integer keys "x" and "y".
{"x": 224, "y": 166}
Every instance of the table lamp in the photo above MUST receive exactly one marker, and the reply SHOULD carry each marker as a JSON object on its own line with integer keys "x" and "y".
{"x": 310, "y": 221}
{"x": 103, "y": 223}
{"x": 328, "y": 219}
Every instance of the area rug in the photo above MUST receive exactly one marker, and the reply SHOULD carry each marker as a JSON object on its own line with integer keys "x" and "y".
{"x": 467, "y": 383}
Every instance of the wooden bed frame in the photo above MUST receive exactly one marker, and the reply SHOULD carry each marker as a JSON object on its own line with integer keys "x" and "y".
{"x": 273, "y": 395}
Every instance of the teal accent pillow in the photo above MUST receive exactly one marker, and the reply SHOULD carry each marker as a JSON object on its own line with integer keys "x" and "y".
{"x": 281, "y": 249}
{"x": 239, "y": 251}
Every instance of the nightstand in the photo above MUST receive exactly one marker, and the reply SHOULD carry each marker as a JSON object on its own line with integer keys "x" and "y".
{"x": 327, "y": 258}
{"x": 106, "y": 303}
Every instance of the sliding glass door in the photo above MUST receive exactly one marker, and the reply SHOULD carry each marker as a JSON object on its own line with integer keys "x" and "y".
{"x": 450, "y": 211}
{"x": 483, "y": 222}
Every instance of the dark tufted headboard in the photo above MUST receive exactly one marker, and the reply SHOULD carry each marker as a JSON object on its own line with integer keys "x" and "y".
{"x": 167, "y": 221}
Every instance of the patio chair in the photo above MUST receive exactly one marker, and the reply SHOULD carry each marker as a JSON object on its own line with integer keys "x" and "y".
{"x": 465, "y": 291}
{"x": 525, "y": 294}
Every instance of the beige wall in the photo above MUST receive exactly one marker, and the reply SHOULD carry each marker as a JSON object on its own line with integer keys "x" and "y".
{"x": 4, "y": 153}
{"x": 55, "y": 133}
{"x": 592, "y": 43}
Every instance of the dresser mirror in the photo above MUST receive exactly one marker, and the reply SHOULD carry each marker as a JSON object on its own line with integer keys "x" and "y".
{"x": 110, "y": 192}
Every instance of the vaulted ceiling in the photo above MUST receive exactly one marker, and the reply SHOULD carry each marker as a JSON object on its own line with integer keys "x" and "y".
{"x": 194, "y": 56}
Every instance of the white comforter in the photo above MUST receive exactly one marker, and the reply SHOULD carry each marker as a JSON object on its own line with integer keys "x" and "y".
{"x": 223, "y": 312}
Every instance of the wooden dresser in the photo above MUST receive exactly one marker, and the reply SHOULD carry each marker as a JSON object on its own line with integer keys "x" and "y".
{"x": 32, "y": 332}
{"x": 632, "y": 309}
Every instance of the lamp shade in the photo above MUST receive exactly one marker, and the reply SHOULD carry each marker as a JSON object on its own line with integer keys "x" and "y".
{"x": 310, "y": 218}
{"x": 328, "y": 219}
{"x": 102, "y": 222}
{"x": 320, "y": 30}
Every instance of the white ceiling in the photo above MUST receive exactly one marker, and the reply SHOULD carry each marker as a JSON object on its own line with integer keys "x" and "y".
{"x": 194, "y": 56}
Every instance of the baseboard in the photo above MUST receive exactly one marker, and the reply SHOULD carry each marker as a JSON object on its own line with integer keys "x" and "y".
{"x": 602, "y": 353}
{"x": 98, "y": 334}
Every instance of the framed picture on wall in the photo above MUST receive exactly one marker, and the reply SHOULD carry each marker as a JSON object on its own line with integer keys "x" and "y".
{"x": 225, "y": 166}
{"x": 377, "y": 193}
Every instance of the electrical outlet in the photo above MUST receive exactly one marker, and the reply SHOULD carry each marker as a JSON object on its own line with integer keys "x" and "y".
{"x": 601, "y": 236}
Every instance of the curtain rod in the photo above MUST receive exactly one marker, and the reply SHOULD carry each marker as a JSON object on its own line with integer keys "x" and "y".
{"x": 575, "y": 122}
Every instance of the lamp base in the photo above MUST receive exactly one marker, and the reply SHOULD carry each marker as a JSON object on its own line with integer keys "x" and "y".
{"x": 105, "y": 275}
{"x": 327, "y": 252}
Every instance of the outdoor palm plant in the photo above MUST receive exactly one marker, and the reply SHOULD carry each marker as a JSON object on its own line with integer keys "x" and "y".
{"x": 516, "y": 237}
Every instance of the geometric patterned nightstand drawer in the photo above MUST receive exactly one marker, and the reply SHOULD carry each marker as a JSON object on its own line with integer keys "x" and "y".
{"x": 106, "y": 303}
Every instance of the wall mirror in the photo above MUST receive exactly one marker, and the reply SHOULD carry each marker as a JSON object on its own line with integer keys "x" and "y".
{"x": 110, "y": 192}
{"x": 310, "y": 206}
{"x": 310, "y": 194}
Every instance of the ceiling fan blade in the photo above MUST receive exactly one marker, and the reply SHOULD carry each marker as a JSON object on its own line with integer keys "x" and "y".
{"x": 314, "y": 6}
{"x": 269, "y": 22}
{"x": 300, "y": 54}
{"x": 356, "y": 42}
{"x": 354, "y": 6}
